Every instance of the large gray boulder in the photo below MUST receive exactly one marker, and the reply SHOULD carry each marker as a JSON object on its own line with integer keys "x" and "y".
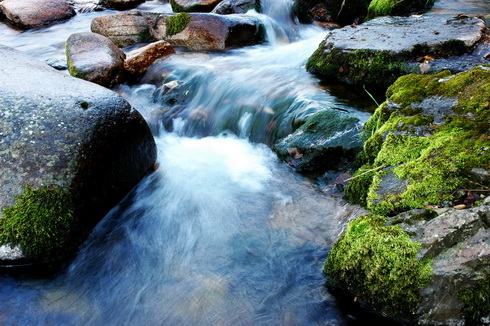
{"x": 196, "y": 31}
{"x": 381, "y": 50}
{"x": 36, "y": 13}
{"x": 69, "y": 151}
{"x": 95, "y": 58}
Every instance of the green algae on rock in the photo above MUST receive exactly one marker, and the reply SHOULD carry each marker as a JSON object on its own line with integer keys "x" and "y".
{"x": 378, "y": 264}
{"x": 176, "y": 24}
{"x": 379, "y": 51}
{"x": 40, "y": 222}
{"x": 379, "y": 8}
{"x": 429, "y": 134}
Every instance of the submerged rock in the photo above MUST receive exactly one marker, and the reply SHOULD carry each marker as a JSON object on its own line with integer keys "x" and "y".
{"x": 378, "y": 52}
{"x": 95, "y": 58}
{"x": 194, "y": 31}
{"x": 139, "y": 60}
{"x": 69, "y": 151}
{"x": 36, "y": 13}
{"x": 193, "y": 5}
{"x": 326, "y": 141}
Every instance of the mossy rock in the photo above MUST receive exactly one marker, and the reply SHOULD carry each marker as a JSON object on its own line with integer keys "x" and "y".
{"x": 434, "y": 166}
{"x": 40, "y": 222}
{"x": 176, "y": 24}
{"x": 379, "y": 8}
{"x": 379, "y": 51}
{"x": 378, "y": 264}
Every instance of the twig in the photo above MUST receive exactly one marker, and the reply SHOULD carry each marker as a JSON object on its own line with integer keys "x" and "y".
{"x": 368, "y": 171}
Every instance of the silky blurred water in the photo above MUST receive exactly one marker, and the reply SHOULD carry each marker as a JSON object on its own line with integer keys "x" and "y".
{"x": 222, "y": 233}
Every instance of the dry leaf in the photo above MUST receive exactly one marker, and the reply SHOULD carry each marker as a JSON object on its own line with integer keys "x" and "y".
{"x": 461, "y": 206}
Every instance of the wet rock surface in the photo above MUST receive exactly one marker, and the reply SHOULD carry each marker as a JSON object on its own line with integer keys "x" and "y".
{"x": 36, "y": 13}
{"x": 379, "y": 51}
{"x": 95, "y": 58}
{"x": 69, "y": 135}
{"x": 139, "y": 60}
{"x": 327, "y": 140}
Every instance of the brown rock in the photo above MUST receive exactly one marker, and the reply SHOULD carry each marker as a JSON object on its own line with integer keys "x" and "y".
{"x": 193, "y": 5}
{"x": 139, "y": 60}
{"x": 215, "y": 32}
{"x": 36, "y": 13}
{"x": 127, "y": 28}
{"x": 95, "y": 58}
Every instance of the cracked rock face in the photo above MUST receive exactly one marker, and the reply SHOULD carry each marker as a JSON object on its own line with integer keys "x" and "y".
{"x": 64, "y": 132}
{"x": 458, "y": 242}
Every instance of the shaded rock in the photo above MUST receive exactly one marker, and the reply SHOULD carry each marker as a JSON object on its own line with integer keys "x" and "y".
{"x": 122, "y": 4}
{"x": 70, "y": 147}
{"x": 127, "y": 28}
{"x": 95, "y": 58}
{"x": 227, "y": 7}
{"x": 214, "y": 32}
{"x": 379, "y": 51}
{"x": 378, "y": 8}
{"x": 193, "y": 5}
{"x": 194, "y": 31}
{"x": 342, "y": 12}
{"x": 36, "y": 13}
{"x": 139, "y": 60}
{"x": 326, "y": 141}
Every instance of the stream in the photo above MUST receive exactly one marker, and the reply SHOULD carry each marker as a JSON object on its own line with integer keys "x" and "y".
{"x": 223, "y": 233}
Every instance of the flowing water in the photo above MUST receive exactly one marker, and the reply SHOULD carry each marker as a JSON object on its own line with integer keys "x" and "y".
{"x": 222, "y": 233}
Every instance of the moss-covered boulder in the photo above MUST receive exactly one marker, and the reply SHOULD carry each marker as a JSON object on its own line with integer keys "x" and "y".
{"x": 378, "y": 265}
{"x": 376, "y": 53}
{"x": 328, "y": 140}
{"x": 424, "y": 142}
{"x": 70, "y": 150}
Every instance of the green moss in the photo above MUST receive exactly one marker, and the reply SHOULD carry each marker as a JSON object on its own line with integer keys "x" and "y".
{"x": 378, "y": 264}
{"x": 395, "y": 7}
{"x": 377, "y": 68}
{"x": 39, "y": 221}
{"x": 358, "y": 188}
{"x": 476, "y": 301}
{"x": 177, "y": 23}
{"x": 433, "y": 166}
